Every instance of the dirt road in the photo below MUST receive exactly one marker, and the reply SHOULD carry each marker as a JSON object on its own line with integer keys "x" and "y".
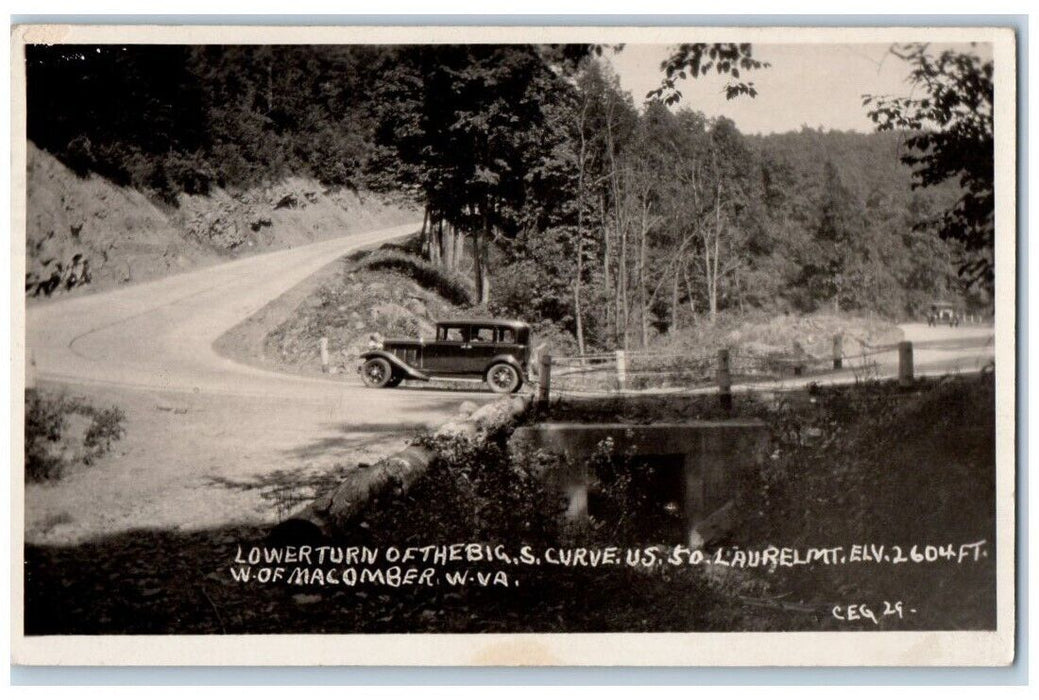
{"x": 208, "y": 441}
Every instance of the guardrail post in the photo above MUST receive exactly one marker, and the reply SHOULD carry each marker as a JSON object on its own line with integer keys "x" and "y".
{"x": 724, "y": 377}
{"x": 324, "y": 355}
{"x": 838, "y": 351}
{"x": 622, "y": 370}
{"x": 905, "y": 363}
{"x": 544, "y": 377}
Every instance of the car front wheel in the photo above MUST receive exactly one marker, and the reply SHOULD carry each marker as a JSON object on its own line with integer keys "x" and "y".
{"x": 376, "y": 373}
{"x": 503, "y": 379}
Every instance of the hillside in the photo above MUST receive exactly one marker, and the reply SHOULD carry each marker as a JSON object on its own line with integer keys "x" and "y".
{"x": 578, "y": 210}
{"x": 88, "y": 233}
{"x": 382, "y": 293}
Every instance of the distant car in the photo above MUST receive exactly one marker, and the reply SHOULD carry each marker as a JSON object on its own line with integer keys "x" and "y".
{"x": 943, "y": 314}
{"x": 496, "y": 351}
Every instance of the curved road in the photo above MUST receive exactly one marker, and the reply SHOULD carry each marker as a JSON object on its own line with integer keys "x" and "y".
{"x": 160, "y": 334}
{"x": 208, "y": 440}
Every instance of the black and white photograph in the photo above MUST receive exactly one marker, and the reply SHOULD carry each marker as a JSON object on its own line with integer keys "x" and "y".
{"x": 514, "y": 346}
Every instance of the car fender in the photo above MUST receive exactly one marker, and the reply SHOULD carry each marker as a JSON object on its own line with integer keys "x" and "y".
{"x": 399, "y": 365}
{"x": 507, "y": 359}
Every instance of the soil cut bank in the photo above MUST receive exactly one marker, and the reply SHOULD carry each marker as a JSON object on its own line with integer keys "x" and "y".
{"x": 89, "y": 234}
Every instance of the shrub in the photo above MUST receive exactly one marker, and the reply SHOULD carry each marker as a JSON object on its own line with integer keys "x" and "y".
{"x": 558, "y": 341}
{"x": 44, "y": 423}
{"x": 50, "y": 447}
{"x": 475, "y": 491}
{"x": 105, "y": 428}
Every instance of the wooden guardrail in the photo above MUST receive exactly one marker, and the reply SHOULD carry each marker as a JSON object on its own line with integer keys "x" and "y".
{"x": 724, "y": 368}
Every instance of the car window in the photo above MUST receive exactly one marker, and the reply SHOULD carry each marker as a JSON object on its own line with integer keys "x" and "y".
{"x": 483, "y": 335}
{"x": 451, "y": 333}
{"x": 508, "y": 335}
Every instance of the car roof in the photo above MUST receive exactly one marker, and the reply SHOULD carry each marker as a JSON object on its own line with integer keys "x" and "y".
{"x": 510, "y": 323}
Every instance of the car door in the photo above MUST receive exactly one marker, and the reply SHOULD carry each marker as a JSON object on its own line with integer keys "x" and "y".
{"x": 483, "y": 347}
{"x": 446, "y": 355}
{"x": 513, "y": 341}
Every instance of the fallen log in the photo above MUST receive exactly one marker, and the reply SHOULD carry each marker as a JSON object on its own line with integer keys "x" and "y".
{"x": 334, "y": 513}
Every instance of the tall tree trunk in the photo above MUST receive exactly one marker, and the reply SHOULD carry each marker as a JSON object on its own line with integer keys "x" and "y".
{"x": 443, "y": 253}
{"x": 426, "y": 235}
{"x": 482, "y": 274}
{"x": 643, "y": 306}
{"x": 708, "y": 285}
{"x": 674, "y": 303}
{"x": 620, "y": 323}
{"x": 457, "y": 248}
{"x": 477, "y": 264}
{"x": 622, "y": 283}
{"x": 577, "y": 294}
{"x": 606, "y": 260}
{"x": 689, "y": 291}
{"x": 712, "y": 271}
{"x": 580, "y": 234}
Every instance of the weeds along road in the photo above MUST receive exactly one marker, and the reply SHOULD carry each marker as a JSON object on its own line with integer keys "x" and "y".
{"x": 208, "y": 441}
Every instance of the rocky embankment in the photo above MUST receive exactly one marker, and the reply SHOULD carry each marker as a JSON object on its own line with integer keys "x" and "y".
{"x": 89, "y": 233}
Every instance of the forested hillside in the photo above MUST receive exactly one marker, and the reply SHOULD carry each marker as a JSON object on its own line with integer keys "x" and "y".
{"x": 146, "y": 161}
{"x": 564, "y": 198}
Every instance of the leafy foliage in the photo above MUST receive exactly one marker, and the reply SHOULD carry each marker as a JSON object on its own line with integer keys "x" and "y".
{"x": 51, "y": 447}
{"x": 44, "y": 423}
{"x": 172, "y": 119}
{"x": 534, "y": 167}
{"x": 694, "y": 60}
{"x": 950, "y": 138}
{"x": 469, "y": 129}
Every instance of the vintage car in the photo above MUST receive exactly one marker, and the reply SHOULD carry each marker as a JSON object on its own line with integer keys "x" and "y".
{"x": 942, "y": 313}
{"x": 496, "y": 351}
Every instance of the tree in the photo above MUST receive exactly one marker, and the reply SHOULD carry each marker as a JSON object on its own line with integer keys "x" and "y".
{"x": 173, "y": 119}
{"x": 722, "y": 232}
{"x": 696, "y": 60}
{"x": 464, "y": 126}
{"x": 950, "y": 137}
{"x": 839, "y": 235}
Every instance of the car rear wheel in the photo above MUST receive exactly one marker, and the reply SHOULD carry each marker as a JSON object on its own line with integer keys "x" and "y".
{"x": 503, "y": 378}
{"x": 376, "y": 373}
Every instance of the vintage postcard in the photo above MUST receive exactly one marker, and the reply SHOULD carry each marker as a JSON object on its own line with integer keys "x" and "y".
{"x": 514, "y": 346}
